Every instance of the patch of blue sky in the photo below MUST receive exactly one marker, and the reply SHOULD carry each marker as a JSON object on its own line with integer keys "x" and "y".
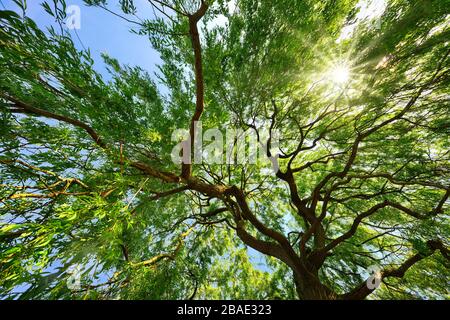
{"x": 102, "y": 32}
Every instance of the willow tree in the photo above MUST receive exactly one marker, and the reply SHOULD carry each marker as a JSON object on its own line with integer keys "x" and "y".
{"x": 361, "y": 173}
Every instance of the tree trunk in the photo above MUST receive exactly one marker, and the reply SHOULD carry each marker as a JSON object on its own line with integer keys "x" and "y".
{"x": 310, "y": 288}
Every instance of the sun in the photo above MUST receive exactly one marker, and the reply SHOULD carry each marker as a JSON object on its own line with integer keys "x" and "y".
{"x": 339, "y": 74}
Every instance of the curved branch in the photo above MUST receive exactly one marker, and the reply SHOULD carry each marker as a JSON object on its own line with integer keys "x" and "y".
{"x": 362, "y": 290}
{"x": 374, "y": 209}
{"x": 23, "y": 107}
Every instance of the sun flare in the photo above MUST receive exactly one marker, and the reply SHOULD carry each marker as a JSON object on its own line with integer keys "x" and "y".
{"x": 340, "y": 75}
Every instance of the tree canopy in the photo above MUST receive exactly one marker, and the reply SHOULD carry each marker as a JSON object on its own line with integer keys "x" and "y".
{"x": 362, "y": 175}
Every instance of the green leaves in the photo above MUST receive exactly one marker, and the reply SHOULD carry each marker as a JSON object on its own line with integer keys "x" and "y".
{"x": 128, "y": 6}
{"x": 81, "y": 157}
{"x": 421, "y": 246}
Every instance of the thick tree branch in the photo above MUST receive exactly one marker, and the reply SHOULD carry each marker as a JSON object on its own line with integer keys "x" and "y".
{"x": 27, "y": 108}
{"x": 199, "y": 82}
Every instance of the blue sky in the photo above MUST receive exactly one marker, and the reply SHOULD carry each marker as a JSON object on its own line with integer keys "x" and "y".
{"x": 101, "y": 31}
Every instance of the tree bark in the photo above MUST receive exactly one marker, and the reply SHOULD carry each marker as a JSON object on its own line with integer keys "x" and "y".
{"x": 310, "y": 288}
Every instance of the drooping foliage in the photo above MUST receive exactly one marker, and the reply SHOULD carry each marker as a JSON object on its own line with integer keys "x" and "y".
{"x": 362, "y": 176}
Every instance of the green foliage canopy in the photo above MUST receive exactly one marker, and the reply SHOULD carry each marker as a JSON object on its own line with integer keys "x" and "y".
{"x": 86, "y": 176}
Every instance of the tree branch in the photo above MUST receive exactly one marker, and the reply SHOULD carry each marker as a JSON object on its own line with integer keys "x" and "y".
{"x": 362, "y": 290}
